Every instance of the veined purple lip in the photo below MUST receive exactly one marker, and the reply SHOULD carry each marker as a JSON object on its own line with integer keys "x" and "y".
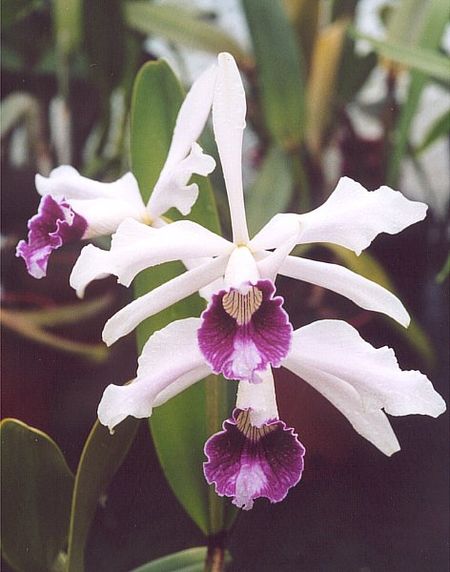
{"x": 55, "y": 224}
{"x": 247, "y": 462}
{"x": 243, "y": 333}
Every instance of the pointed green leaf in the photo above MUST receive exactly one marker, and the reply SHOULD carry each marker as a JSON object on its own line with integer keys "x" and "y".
{"x": 433, "y": 21}
{"x": 181, "y": 26}
{"x": 439, "y": 128}
{"x": 36, "y": 491}
{"x": 102, "y": 456}
{"x": 279, "y": 70}
{"x": 181, "y": 426}
{"x": 423, "y": 60}
{"x": 190, "y": 560}
{"x": 272, "y": 190}
{"x": 368, "y": 266}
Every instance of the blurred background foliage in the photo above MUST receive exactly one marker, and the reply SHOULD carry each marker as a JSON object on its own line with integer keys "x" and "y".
{"x": 343, "y": 87}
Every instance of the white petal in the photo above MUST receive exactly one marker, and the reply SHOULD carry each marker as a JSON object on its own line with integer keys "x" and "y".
{"x": 241, "y": 269}
{"x": 92, "y": 264}
{"x": 160, "y": 298}
{"x": 170, "y": 354}
{"x": 192, "y": 116}
{"x": 185, "y": 157}
{"x": 351, "y": 217}
{"x": 103, "y": 205}
{"x": 373, "y": 425}
{"x": 65, "y": 181}
{"x": 229, "y": 109}
{"x": 367, "y": 294}
{"x": 182, "y": 383}
{"x": 172, "y": 189}
{"x": 136, "y": 246}
{"x": 333, "y": 350}
{"x": 259, "y": 398}
{"x": 277, "y": 232}
{"x": 270, "y": 265}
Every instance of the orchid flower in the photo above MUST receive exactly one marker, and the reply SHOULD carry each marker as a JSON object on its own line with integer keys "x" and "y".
{"x": 352, "y": 217}
{"x": 74, "y": 207}
{"x": 256, "y": 455}
{"x": 244, "y": 332}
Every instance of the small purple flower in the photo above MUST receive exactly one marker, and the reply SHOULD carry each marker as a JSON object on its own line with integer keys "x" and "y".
{"x": 247, "y": 462}
{"x": 55, "y": 224}
{"x": 243, "y": 331}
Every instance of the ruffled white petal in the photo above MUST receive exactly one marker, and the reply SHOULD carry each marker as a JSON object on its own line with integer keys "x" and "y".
{"x": 170, "y": 354}
{"x": 351, "y": 217}
{"x": 367, "y": 294}
{"x": 333, "y": 350}
{"x": 136, "y": 246}
{"x": 160, "y": 298}
{"x": 172, "y": 189}
{"x": 103, "y": 205}
{"x": 229, "y": 109}
{"x": 183, "y": 382}
{"x": 259, "y": 398}
{"x": 185, "y": 157}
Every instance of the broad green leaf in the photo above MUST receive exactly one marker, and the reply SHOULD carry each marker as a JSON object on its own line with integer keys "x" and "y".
{"x": 190, "y": 560}
{"x": 439, "y": 128}
{"x": 433, "y": 23}
{"x": 181, "y": 426}
{"x": 36, "y": 491}
{"x": 67, "y": 23}
{"x": 181, "y": 26}
{"x": 102, "y": 456}
{"x": 321, "y": 88}
{"x": 368, "y": 266}
{"x": 272, "y": 190}
{"x": 423, "y": 60}
{"x": 279, "y": 69}
{"x": 405, "y": 21}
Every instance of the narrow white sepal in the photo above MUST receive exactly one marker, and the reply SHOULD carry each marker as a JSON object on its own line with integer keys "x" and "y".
{"x": 160, "y": 298}
{"x": 229, "y": 109}
{"x": 367, "y": 294}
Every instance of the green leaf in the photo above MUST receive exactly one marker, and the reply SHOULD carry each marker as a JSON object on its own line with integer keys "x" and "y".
{"x": 368, "y": 266}
{"x": 444, "y": 272}
{"x": 279, "y": 70}
{"x": 354, "y": 71}
{"x": 180, "y": 26}
{"x": 420, "y": 59}
{"x": 181, "y": 426}
{"x": 67, "y": 23}
{"x": 272, "y": 190}
{"x": 190, "y": 560}
{"x": 102, "y": 456}
{"x": 37, "y": 487}
{"x": 439, "y": 128}
{"x": 433, "y": 22}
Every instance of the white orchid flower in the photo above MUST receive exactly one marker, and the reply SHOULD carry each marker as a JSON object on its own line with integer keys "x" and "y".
{"x": 74, "y": 207}
{"x": 352, "y": 217}
{"x": 245, "y": 332}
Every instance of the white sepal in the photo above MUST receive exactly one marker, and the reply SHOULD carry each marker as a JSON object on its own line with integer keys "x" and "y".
{"x": 367, "y": 294}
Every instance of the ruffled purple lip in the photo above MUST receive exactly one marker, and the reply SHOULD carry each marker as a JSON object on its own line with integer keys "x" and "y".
{"x": 247, "y": 462}
{"x": 54, "y": 224}
{"x": 242, "y": 334}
